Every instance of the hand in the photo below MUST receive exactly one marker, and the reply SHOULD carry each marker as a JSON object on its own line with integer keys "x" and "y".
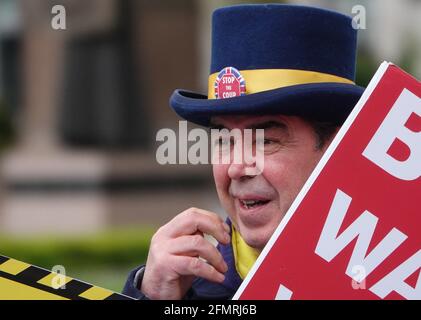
{"x": 173, "y": 260}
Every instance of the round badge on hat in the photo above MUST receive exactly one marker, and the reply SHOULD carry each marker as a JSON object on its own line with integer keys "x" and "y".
{"x": 229, "y": 84}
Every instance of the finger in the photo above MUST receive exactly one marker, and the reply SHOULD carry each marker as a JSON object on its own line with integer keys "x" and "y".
{"x": 193, "y": 220}
{"x": 197, "y": 246}
{"x": 186, "y": 266}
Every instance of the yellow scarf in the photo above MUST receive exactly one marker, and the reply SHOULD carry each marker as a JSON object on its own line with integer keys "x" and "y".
{"x": 244, "y": 255}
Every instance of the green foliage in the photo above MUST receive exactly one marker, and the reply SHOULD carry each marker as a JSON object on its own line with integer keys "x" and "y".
{"x": 367, "y": 65}
{"x": 116, "y": 248}
{"x": 366, "y": 68}
{"x": 102, "y": 259}
{"x": 408, "y": 57}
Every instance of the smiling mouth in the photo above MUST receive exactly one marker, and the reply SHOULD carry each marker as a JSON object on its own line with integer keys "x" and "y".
{"x": 252, "y": 204}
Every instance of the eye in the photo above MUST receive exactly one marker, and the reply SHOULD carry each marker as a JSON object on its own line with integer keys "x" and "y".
{"x": 264, "y": 141}
{"x": 268, "y": 145}
{"x": 268, "y": 141}
{"x": 221, "y": 141}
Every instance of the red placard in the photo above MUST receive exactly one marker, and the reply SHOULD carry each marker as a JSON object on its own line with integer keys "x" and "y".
{"x": 354, "y": 231}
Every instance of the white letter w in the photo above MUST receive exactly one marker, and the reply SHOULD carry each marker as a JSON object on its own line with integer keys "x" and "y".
{"x": 331, "y": 244}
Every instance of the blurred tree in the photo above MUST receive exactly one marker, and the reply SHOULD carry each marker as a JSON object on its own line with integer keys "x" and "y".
{"x": 367, "y": 64}
{"x": 366, "y": 67}
{"x": 409, "y": 55}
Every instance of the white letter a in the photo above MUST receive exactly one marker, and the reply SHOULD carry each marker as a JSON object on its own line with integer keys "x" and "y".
{"x": 59, "y": 20}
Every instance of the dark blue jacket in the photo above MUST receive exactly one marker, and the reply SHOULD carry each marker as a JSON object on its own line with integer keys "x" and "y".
{"x": 201, "y": 288}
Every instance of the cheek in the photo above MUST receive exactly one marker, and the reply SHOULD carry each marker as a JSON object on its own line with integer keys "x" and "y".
{"x": 274, "y": 172}
{"x": 288, "y": 172}
{"x": 220, "y": 174}
{"x": 303, "y": 168}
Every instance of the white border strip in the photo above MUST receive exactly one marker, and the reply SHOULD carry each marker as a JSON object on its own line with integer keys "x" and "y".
{"x": 341, "y": 133}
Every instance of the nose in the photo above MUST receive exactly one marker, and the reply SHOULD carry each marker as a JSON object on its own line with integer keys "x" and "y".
{"x": 237, "y": 171}
{"x": 243, "y": 165}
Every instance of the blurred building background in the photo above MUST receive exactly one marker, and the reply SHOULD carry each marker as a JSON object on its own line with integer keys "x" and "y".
{"x": 80, "y": 108}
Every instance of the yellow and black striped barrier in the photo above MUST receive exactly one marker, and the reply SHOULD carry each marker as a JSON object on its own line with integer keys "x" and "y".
{"x": 22, "y": 281}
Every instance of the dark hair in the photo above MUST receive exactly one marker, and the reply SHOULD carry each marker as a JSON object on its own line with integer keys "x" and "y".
{"x": 324, "y": 130}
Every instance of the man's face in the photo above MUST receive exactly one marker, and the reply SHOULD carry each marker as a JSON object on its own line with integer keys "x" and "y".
{"x": 256, "y": 204}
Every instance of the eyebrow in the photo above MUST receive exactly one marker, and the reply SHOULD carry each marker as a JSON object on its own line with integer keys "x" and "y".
{"x": 271, "y": 124}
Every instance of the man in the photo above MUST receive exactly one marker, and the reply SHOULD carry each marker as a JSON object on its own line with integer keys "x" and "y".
{"x": 290, "y": 71}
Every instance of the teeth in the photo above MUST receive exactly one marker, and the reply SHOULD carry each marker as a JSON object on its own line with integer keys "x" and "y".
{"x": 251, "y": 203}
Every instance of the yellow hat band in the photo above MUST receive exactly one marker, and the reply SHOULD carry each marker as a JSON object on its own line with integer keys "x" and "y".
{"x": 267, "y": 79}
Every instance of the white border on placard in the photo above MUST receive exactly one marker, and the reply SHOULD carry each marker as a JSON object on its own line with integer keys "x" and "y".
{"x": 341, "y": 133}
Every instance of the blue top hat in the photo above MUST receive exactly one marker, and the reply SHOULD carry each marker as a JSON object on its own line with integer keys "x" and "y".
{"x": 277, "y": 59}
